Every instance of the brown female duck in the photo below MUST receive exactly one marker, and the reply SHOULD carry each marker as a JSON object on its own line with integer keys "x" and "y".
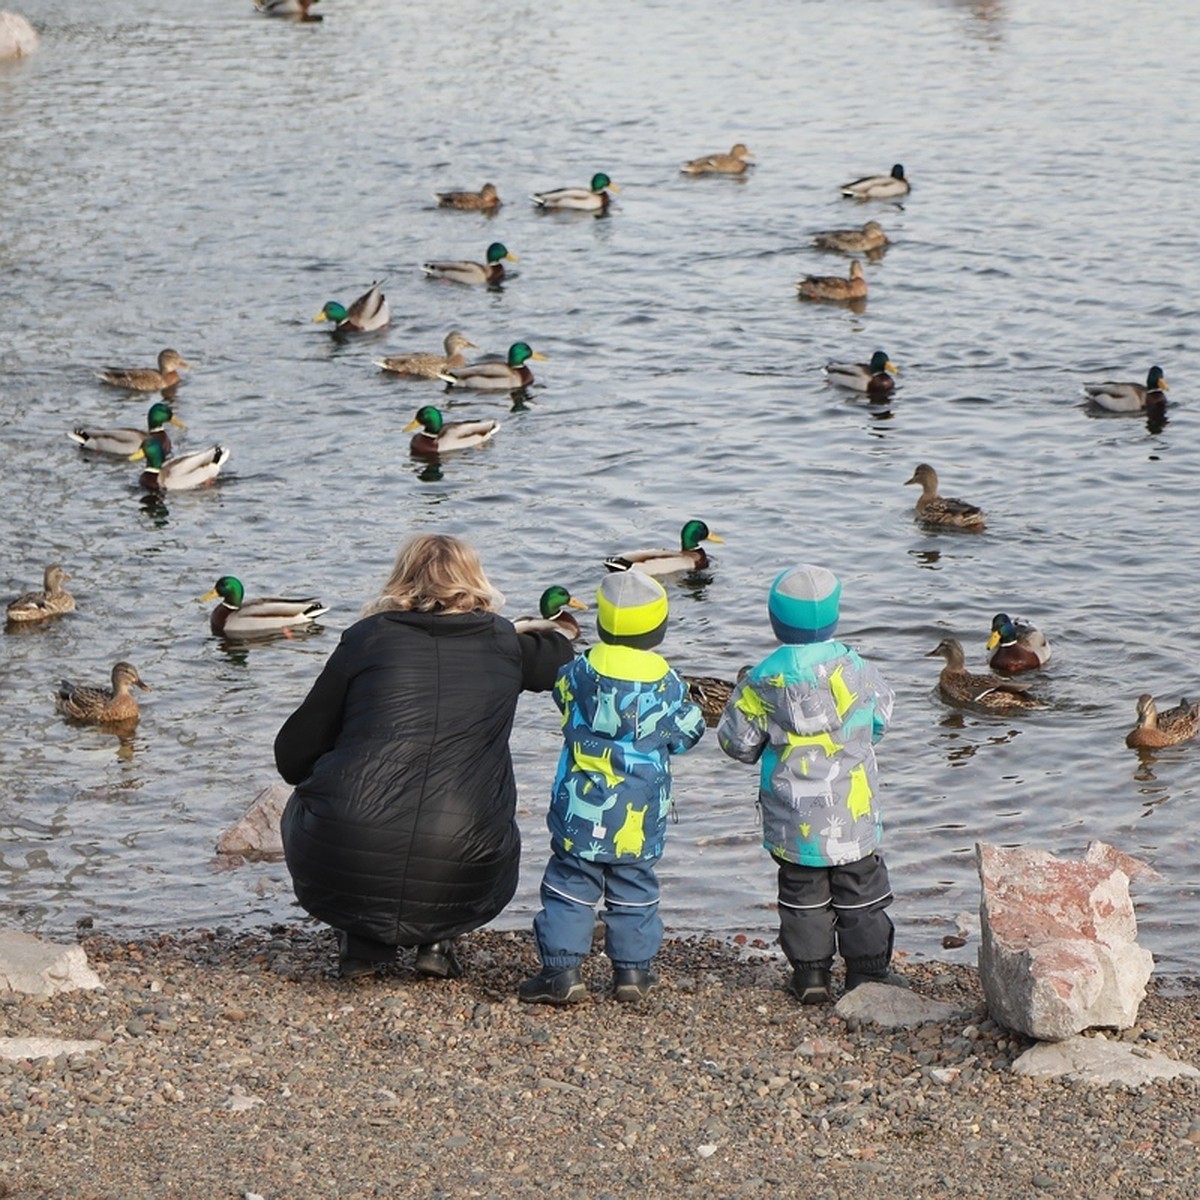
{"x": 52, "y": 601}
{"x": 941, "y": 511}
{"x": 834, "y": 287}
{"x": 99, "y": 705}
{"x": 958, "y": 686}
{"x": 1155, "y": 729}
{"x": 147, "y": 379}
{"x": 484, "y": 200}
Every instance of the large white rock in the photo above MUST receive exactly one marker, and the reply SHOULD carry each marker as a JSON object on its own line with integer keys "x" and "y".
{"x": 1058, "y": 951}
{"x": 27, "y": 964}
{"x": 256, "y": 835}
{"x": 17, "y": 37}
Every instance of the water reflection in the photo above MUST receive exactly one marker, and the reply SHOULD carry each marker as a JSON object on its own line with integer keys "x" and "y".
{"x": 927, "y": 560}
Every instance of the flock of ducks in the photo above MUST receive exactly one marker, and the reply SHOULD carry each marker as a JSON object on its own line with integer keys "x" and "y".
{"x": 1014, "y": 646}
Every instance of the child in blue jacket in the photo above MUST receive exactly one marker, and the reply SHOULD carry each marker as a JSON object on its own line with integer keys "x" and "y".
{"x": 625, "y": 712}
{"x": 810, "y": 713}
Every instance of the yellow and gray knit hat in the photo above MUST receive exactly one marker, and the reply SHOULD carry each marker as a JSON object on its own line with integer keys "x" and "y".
{"x": 631, "y": 610}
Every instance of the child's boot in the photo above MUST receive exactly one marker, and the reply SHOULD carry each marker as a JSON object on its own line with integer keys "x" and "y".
{"x": 875, "y": 969}
{"x": 810, "y": 982}
{"x": 563, "y": 985}
{"x": 631, "y": 984}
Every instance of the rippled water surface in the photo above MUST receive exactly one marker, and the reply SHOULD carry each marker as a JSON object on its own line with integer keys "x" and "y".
{"x": 206, "y": 178}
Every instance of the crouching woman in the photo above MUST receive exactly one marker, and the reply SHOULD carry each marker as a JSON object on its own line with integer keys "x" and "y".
{"x": 401, "y": 830}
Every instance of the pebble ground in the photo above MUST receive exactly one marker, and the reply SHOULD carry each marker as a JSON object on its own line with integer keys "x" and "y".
{"x": 236, "y": 1065}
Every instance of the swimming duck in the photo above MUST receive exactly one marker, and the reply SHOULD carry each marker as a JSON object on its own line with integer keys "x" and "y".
{"x": 689, "y": 557}
{"x": 1155, "y": 729}
{"x": 958, "y": 686}
{"x": 878, "y": 187}
{"x": 1017, "y": 645}
{"x": 181, "y": 473}
{"x": 236, "y": 616}
{"x": 505, "y": 376}
{"x": 100, "y": 705}
{"x": 147, "y": 379}
{"x": 439, "y": 435}
{"x": 124, "y": 442}
{"x": 872, "y": 378}
{"x": 593, "y": 198}
{"x": 733, "y": 163}
{"x": 710, "y": 693}
{"x": 932, "y": 509}
{"x": 554, "y": 607}
{"x": 834, "y": 287}
{"x": 869, "y": 237}
{"x": 370, "y": 311}
{"x": 297, "y": 10}
{"x": 1129, "y": 397}
{"x": 429, "y": 364}
{"x": 484, "y": 199}
{"x": 462, "y": 271}
{"x": 52, "y": 601}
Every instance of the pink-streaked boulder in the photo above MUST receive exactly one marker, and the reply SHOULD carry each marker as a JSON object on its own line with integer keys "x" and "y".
{"x": 1058, "y": 948}
{"x": 17, "y": 37}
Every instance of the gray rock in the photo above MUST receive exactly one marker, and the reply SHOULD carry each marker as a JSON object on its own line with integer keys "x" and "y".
{"x": 44, "y": 1047}
{"x": 891, "y": 1007}
{"x": 1058, "y": 951}
{"x": 1097, "y": 1060}
{"x": 38, "y": 968}
{"x": 256, "y": 835}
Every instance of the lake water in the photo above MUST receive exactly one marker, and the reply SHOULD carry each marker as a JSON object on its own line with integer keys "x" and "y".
{"x": 207, "y": 178}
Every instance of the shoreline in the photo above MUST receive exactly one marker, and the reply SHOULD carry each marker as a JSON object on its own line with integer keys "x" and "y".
{"x": 234, "y": 1064}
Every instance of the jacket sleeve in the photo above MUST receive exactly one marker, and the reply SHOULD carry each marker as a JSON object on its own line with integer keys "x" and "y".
{"x": 542, "y": 653}
{"x": 737, "y": 734}
{"x": 884, "y": 699}
{"x": 313, "y": 728}
{"x": 688, "y": 721}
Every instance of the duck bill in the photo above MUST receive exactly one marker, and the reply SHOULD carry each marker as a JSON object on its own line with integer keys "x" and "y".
{"x": 137, "y": 455}
{"x": 579, "y": 604}
{"x": 213, "y": 595}
{"x": 993, "y": 640}
{"x": 321, "y": 316}
{"x": 176, "y": 422}
{"x": 411, "y": 426}
{"x": 714, "y": 537}
{"x": 512, "y": 257}
{"x": 538, "y": 356}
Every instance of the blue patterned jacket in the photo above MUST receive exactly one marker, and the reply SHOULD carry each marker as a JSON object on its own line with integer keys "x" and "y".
{"x": 812, "y": 714}
{"x": 625, "y": 712}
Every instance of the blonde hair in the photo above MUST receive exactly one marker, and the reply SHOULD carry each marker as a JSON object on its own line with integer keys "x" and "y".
{"x": 436, "y": 573}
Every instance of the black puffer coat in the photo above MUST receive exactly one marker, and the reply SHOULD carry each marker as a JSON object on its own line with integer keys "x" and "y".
{"x": 401, "y": 828}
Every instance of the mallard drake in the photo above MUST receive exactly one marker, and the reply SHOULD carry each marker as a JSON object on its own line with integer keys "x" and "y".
{"x": 482, "y": 200}
{"x": 100, "y": 705}
{"x": 1155, "y": 729}
{"x": 181, "y": 473}
{"x": 297, "y": 10}
{"x": 869, "y": 237}
{"x": 689, "y": 557}
{"x": 878, "y": 187}
{"x": 439, "y": 435}
{"x": 872, "y": 378}
{"x": 1129, "y": 397}
{"x": 505, "y": 376}
{"x": 52, "y": 601}
{"x": 554, "y": 607}
{"x": 147, "y": 379}
{"x": 932, "y": 509}
{"x": 236, "y": 616}
{"x": 463, "y": 271}
{"x": 429, "y": 364}
{"x": 834, "y": 287}
{"x": 593, "y": 198}
{"x": 733, "y": 163}
{"x": 1017, "y": 645}
{"x": 958, "y": 686}
{"x": 369, "y": 312}
{"x": 124, "y": 442}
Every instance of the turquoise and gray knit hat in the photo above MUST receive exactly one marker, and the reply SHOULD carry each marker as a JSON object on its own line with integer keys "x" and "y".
{"x": 804, "y": 604}
{"x": 631, "y": 610}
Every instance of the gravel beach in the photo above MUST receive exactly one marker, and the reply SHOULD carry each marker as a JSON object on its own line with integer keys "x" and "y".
{"x": 235, "y": 1065}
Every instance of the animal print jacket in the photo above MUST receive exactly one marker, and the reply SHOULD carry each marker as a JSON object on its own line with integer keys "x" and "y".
{"x": 811, "y": 714}
{"x": 625, "y": 712}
